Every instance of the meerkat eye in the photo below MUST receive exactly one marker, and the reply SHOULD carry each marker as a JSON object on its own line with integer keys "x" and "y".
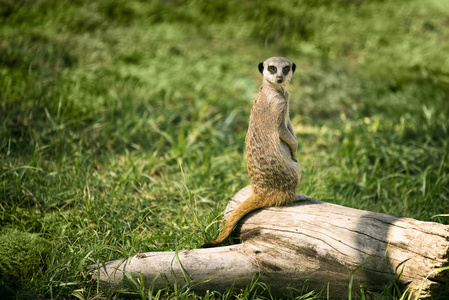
{"x": 285, "y": 70}
{"x": 272, "y": 69}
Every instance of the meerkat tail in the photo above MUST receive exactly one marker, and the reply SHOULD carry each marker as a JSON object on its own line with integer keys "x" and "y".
{"x": 301, "y": 197}
{"x": 252, "y": 203}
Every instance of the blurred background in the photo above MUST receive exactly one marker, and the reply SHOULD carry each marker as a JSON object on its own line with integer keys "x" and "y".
{"x": 123, "y": 122}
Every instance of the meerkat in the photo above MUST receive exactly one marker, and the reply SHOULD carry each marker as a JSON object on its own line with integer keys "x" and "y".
{"x": 271, "y": 147}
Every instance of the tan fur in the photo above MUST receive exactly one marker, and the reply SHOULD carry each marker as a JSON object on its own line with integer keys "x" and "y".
{"x": 270, "y": 147}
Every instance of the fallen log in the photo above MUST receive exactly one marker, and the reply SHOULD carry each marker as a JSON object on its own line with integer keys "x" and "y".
{"x": 318, "y": 242}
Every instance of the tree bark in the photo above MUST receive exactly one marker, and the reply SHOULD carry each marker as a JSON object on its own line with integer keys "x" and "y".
{"x": 310, "y": 241}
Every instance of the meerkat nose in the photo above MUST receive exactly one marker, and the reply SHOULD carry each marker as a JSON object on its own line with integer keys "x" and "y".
{"x": 279, "y": 80}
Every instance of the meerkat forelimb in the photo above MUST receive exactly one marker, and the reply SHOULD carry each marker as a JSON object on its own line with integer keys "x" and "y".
{"x": 271, "y": 147}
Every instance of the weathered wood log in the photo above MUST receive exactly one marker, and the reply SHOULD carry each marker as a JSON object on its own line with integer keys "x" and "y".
{"x": 321, "y": 243}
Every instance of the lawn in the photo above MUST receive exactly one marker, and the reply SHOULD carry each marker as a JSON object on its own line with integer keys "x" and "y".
{"x": 122, "y": 123}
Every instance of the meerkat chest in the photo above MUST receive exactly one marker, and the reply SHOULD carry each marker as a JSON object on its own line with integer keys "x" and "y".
{"x": 280, "y": 109}
{"x": 270, "y": 110}
{"x": 287, "y": 109}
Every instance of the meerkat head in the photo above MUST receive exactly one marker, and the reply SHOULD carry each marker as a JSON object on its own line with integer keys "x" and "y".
{"x": 277, "y": 70}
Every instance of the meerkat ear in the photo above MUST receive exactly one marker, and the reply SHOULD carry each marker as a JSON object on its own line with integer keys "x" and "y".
{"x": 261, "y": 68}
{"x": 293, "y": 68}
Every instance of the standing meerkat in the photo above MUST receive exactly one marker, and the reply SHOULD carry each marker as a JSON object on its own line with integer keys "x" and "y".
{"x": 270, "y": 147}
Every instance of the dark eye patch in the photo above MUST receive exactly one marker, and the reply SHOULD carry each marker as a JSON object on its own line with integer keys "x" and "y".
{"x": 285, "y": 70}
{"x": 272, "y": 69}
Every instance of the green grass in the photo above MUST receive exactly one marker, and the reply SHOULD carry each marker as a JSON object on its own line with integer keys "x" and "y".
{"x": 123, "y": 122}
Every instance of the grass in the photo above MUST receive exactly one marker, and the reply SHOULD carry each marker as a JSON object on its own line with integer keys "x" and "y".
{"x": 123, "y": 122}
